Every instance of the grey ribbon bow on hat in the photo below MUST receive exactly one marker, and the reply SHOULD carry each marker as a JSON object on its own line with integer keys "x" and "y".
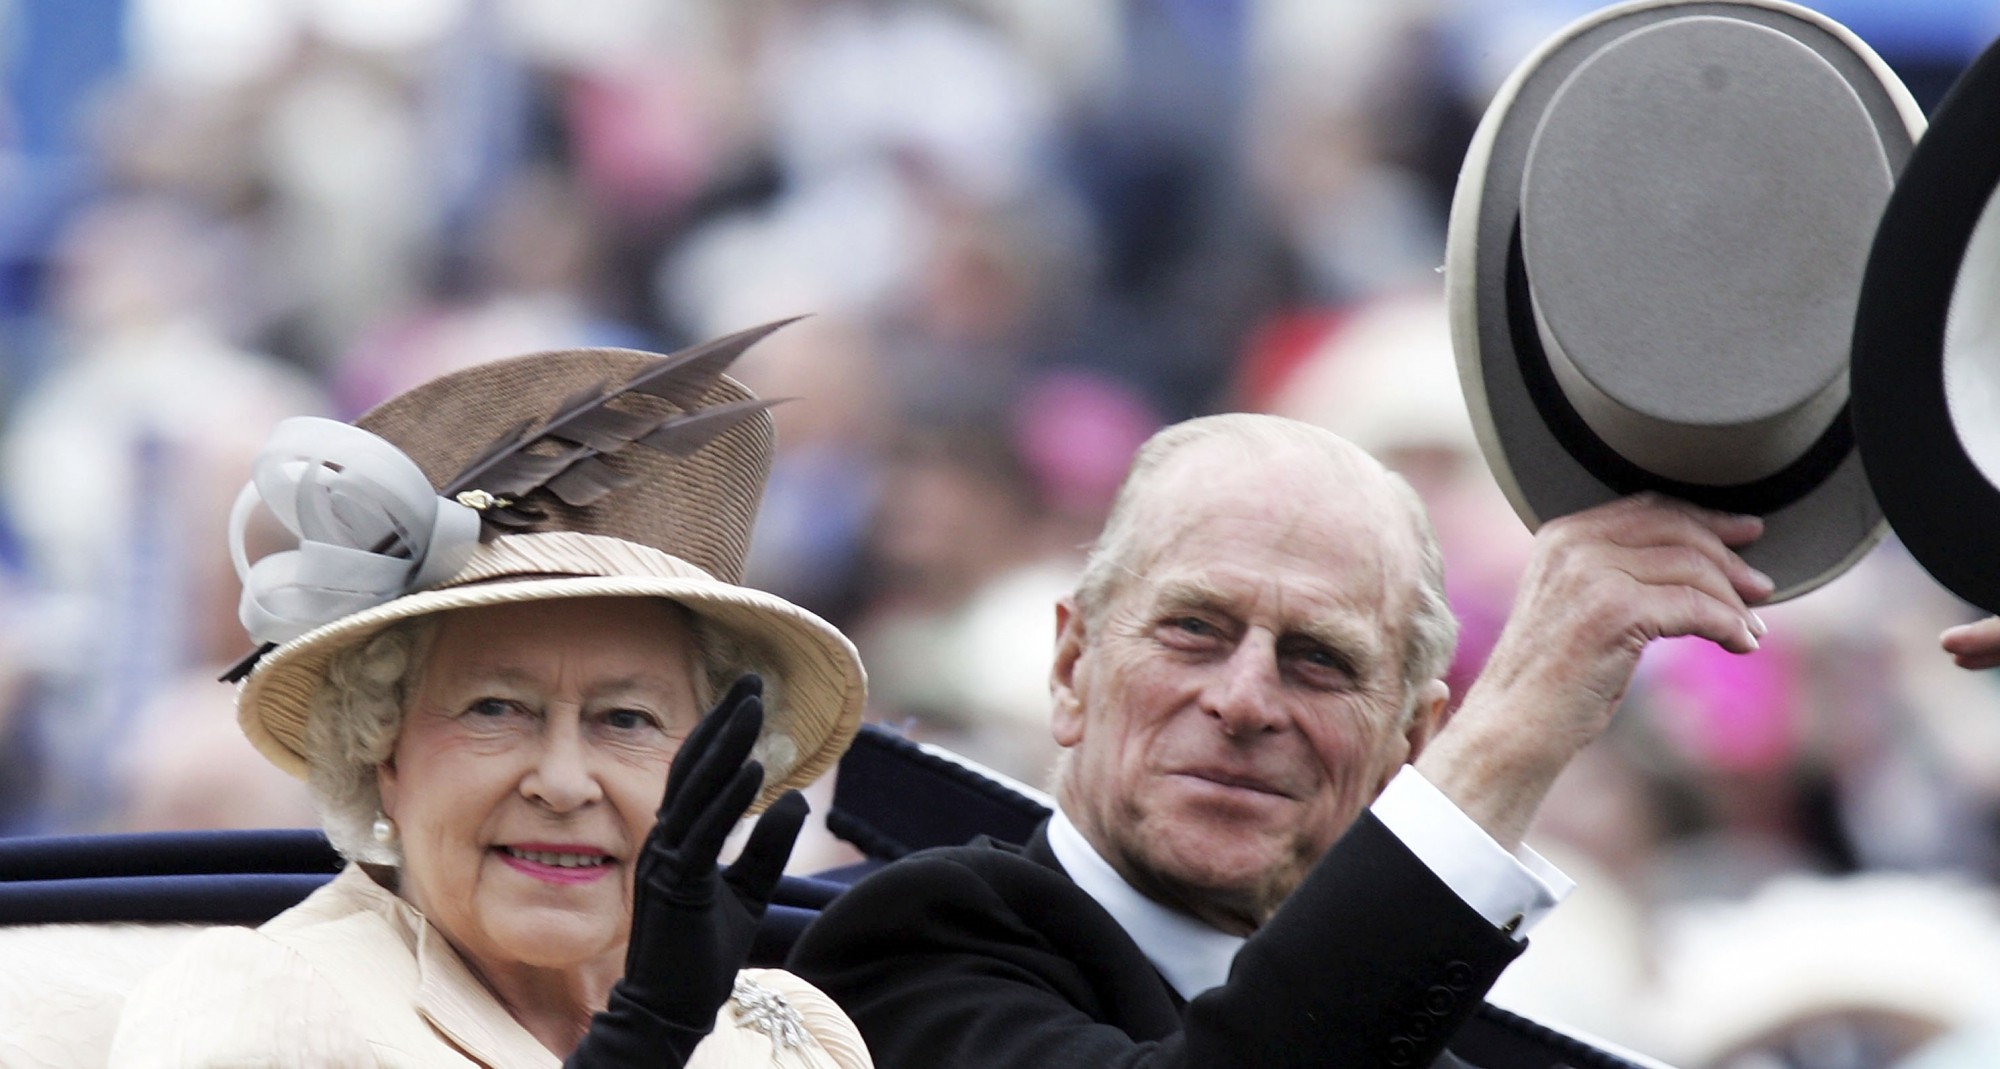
{"x": 369, "y": 526}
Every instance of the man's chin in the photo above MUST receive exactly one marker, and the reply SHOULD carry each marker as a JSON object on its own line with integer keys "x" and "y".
{"x": 1241, "y": 876}
{"x": 1229, "y": 830}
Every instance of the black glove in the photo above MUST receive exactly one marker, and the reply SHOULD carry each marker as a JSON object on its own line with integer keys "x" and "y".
{"x": 692, "y": 926}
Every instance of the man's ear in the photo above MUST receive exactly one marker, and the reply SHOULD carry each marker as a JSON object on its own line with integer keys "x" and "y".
{"x": 1066, "y": 717}
{"x": 1427, "y": 716}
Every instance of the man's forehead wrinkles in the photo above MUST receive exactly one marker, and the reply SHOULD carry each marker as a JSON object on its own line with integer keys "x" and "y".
{"x": 1223, "y": 536}
{"x": 1205, "y": 554}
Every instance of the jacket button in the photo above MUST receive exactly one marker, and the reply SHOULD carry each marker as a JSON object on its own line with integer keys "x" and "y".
{"x": 1458, "y": 976}
{"x": 1440, "y": 999}
{"x": 1402, "y": 1051}
{"x": 1421, "y": 1026}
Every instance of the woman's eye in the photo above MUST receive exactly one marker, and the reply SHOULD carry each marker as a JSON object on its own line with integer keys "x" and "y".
{"x": 490, "y": 707}
{"x": 631, "y": 719}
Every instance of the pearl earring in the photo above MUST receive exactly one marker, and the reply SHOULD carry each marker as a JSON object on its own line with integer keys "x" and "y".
{"x": 383, "y": 829}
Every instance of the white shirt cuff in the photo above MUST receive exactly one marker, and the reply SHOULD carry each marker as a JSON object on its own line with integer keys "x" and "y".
{"x": 1513, "y": 891}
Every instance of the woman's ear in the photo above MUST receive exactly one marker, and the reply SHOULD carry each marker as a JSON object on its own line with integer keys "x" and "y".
{"x": 1066, "y": 717}
{"x": 385, "y": 785}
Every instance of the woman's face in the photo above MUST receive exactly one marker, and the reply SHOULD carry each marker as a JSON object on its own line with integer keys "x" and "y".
{"x": 531, "y": 762}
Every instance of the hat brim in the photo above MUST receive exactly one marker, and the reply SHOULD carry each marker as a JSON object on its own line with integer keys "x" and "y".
{"x": 821, "y": 688}
{"x": 1819, "y": 513}
{"x": 1945, "y": 511}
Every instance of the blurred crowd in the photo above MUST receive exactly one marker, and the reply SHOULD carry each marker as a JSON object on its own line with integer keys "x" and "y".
{"x": 1026, "y": 233}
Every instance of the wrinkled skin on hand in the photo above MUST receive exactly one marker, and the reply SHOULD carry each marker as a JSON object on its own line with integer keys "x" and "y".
{"x": 1600, "y": 585}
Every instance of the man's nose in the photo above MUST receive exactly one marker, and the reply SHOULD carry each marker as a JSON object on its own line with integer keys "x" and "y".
{"x": 1243, "y": 692}
{"x": 562, "y": 777}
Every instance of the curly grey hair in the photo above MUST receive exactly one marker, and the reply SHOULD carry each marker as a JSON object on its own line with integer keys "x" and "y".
{"x": 358, "y": 713}
{"x": 1121, "y": 549}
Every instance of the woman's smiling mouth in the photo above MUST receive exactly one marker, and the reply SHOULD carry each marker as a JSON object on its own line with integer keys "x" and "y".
{"x": 550, "y": 863}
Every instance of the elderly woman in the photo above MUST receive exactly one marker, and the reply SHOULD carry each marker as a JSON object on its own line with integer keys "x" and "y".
{"x": 513, "y": 595}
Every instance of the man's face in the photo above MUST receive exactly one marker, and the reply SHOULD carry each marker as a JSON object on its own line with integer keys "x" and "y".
{"x": 1240, "y": 701}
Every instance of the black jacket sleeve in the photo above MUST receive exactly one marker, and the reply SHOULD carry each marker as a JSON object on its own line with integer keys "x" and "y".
{"x": 980, "y": 957}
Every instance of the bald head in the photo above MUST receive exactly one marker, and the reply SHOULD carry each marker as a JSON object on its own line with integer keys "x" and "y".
{"x": 1185, "y": 469}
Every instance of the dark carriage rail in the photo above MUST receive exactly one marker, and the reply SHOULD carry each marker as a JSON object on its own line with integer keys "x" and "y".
{"x": 893, "y": 796}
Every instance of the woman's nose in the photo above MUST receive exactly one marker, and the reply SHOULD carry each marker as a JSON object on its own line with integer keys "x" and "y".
{"x": 562, "y": 777}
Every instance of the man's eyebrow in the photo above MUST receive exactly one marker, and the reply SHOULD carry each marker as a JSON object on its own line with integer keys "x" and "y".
{"x": 1358, "y": 646}
{"x": 1187, "y": 593}
{"x": 1345, "y": 637}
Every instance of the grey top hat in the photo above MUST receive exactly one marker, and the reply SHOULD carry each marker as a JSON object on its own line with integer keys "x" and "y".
{"x": 1655, "y": 251}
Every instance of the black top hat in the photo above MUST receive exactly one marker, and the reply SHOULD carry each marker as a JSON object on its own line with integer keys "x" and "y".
{"x": 1926, "y": 367}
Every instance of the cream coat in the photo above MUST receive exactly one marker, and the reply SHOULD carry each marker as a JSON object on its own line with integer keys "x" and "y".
{"x": 354, "y": 976}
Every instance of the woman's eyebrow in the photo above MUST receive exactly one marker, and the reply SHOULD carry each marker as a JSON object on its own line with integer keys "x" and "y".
{"x": 635, "y": 685}
{"x": 509, "y": 676}
{"x": 497, "y": 674}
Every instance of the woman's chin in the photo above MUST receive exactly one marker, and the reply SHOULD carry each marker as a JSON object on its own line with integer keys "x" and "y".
{"x": 554, "y": 939}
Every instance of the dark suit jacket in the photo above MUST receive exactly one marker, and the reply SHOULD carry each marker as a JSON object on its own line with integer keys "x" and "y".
{"x": 989, "y": 956}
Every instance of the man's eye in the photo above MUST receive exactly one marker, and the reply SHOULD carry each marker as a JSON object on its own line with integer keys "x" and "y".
{"x": 1193, "y": 625}
{"x": 1321, "y": 662}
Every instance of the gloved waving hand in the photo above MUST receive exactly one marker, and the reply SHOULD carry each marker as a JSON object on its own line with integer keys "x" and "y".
{"x": 692, "y": 926}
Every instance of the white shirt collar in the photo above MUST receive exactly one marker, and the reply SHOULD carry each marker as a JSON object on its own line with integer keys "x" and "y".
{"x": 1192, "y": 955}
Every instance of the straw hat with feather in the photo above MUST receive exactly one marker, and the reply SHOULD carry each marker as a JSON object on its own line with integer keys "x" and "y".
{"x": 571, "y": 474}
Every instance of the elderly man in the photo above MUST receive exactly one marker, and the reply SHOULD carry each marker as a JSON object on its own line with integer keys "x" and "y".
{"x": 1245, "y": 869}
